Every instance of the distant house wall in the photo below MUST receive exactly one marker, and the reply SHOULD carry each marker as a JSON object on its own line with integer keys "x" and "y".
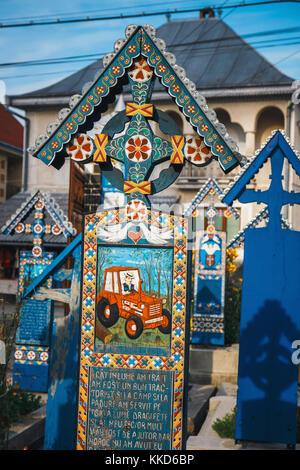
{"x": 39, "y": 175}
{"x": 10, "y": 174}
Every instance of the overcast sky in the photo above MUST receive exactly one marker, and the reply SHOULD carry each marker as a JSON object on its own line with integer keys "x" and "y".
{"x": 65, "y": 40}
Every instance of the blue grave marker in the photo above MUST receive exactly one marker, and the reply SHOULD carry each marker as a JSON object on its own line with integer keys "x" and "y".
{"x": 60, "y": 426}
{"x": 270, "y": 319}
{"x": 31, "y": 356}
{"x": 209, "y": 265}
{"x": 40, "y": 215}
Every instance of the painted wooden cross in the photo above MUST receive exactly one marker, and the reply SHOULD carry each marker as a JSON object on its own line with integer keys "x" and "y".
{"x": 22, "y": 223}
{"x": 40, "y": 215}
{"x": 139, "y": 149}
{"x": 60, "y": 425}
{"x": 141, "y": 58}
{"x": 209, "y": 266}
{"x": 270, "y": 320}
{"x": 275, "y": 196}
{"x": 148, "y": 317}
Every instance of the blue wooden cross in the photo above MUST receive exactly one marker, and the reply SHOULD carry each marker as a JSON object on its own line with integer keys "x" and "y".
{"x": 275, "y": 197}
{"x": 270, "y": 318}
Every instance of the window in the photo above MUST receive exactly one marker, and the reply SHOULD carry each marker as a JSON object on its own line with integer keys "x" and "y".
{"x": 109, "y": 282}
{"x": 116, "y": 282}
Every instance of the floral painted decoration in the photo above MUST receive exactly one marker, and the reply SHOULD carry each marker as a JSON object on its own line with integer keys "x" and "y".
{"x": 136, "y": 210}
{"x": 196, "y": 151}
{"x": 138, "y": 148}
{"x": 81, "y": 149}
{"x": 141, "y": 72}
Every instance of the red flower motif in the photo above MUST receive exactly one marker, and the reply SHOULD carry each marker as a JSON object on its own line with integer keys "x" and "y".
{"x": 162, "y": 68}
{"x": 136, "y": 210}
{"x": 116, "y": 69}
{"x": 132, "y": 48}
{"x": 100, "y": 89}
{"x": 138, "y": 148}
{"x": 85, "y": 108}
{"x": 191, "y": 109}
{"x": 20, "y": 227}
{"x": 56, "y": 230}
{"x": 147, "y": 47}
{"x": 54, "y": 145}
{"x": 175, "y": 88}
{"x": 69, "y": 126}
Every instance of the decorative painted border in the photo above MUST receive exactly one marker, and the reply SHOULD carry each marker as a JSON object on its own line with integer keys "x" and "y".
{"x": 208, "y": 324}
{"x": 174, "y": 362}
{"x": 32, "y": 355}
{"x": 140, "y": 40}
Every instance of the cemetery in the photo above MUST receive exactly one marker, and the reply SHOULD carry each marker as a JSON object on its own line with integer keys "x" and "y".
{"x": 136, "y": 326}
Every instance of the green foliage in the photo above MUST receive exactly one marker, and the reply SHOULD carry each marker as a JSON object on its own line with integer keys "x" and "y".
{"x": 225, "y": 427}
{"x": 233, "y": 297}
{"x": 13, "y": 405}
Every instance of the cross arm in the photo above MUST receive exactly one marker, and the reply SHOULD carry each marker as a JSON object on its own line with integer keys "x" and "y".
{"x": 291, "y": 198}
{"x": 249, "y": 195}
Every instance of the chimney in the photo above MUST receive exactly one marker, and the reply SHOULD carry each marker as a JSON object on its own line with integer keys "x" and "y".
{"x": 207, "y": 13}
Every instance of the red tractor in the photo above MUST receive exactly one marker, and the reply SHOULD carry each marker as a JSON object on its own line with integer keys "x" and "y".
{"x": 122, "y": 296}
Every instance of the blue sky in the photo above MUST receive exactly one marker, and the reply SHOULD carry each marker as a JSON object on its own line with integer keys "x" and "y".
{"x": 56, "y": 41}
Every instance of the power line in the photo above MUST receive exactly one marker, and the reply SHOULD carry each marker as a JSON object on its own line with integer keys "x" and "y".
{"x": 197, "y": 53}
{"x": 136, "y": 15}
{"x": 80, "y": 13}
{"x": 98, "y": 55}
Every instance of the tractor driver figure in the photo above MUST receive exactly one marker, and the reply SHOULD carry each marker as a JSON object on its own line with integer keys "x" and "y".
{"x": 128, "y": 285}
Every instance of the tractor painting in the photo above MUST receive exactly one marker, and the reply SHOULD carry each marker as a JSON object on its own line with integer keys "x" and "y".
{"x": 122, "y": 296}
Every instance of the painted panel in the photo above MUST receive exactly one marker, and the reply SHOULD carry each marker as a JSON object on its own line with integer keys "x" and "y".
{"x": 129, "y": 409}
{"x": 209, "y": 288}
{"x": 35, "y": 318}
{"x": 31, "y": 357}
{"x": 155, "y": 351}
{"x": 136, "y": 283}
{"x": 30, "y": 368}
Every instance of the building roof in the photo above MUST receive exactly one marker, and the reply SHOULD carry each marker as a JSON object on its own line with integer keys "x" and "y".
{"x": 11, "y": 131}
{"x": 212, "y": 54}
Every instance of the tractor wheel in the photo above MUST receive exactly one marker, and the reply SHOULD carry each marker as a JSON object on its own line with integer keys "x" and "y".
{"x": 133, "y": 327}
{"x": 166, "y": 323}
{"x": 107, "y": 314}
